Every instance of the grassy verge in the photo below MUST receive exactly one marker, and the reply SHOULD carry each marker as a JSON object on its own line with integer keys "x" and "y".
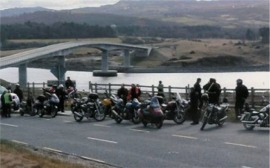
{"x": 17, "y": 155}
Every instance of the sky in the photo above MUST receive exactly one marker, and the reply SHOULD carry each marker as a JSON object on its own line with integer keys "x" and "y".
{"x": 54, "y": 4}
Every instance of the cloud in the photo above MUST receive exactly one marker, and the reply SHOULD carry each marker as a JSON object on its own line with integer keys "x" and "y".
{"x": 54, "y": 4}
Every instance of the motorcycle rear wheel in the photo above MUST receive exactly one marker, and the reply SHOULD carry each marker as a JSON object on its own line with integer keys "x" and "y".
{"x": 40, "y": 113}
{"x": 248, "y": 126}
{"x": 144, "y": 123}
{"x": 117, "y": 119}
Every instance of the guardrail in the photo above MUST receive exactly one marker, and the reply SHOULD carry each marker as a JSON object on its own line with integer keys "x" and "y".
{"x": 257, "y": 97}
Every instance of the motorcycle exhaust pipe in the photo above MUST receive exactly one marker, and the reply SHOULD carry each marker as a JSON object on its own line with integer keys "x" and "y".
{"x": 78, "y": 114}
{"x": 249, "y": 122}
{"x": 115, "y": 113}
{"x": 224, "y": 118}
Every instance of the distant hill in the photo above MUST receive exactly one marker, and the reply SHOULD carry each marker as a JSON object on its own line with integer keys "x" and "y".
{"x": 20, "y": 11}
{"x": 225, "y": 13}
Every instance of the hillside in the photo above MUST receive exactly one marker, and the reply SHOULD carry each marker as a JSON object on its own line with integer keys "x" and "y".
{"x": 225, "y": 13}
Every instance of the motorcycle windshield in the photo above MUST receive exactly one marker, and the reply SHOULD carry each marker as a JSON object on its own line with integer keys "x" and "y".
{"x": 154, "y": 102}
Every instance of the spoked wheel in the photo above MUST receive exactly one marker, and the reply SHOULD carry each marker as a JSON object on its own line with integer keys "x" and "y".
{"x": 40, "y": 112}
{"x": 99, "y": 115}
{"x": 118, "y": 119}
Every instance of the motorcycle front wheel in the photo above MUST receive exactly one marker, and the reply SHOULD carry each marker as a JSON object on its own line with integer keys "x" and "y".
{"x": 40, "y": 113}
{"x": 136, "y": 119}
{"x": 204, "y": 120}
{"x": 159, "y": 124}
{"x": 54, "y": 112}
{"x": 179, "y": 118}
{"x": 77, "y": 117}
{"x": 99, "y": 115}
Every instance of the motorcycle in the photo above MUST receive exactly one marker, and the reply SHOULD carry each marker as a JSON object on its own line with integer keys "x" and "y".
{"x": 175, "y": 109}
{"x": 46, "y": 105}
{"x": 126, "y": 112}
{"x": 215, "y": 114}
{"x": 27, "y": 107}
{"x": 89, "y": 107}
{"x": 252, "y": 119}
{"x": 151, "y": 112}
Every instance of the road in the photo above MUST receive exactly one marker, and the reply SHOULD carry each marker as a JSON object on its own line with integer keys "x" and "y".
{"x": 128, "y": 145}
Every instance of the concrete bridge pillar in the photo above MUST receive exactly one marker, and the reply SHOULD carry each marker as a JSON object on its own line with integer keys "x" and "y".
{"x": 126, "y": 58}
{"x": 23, "y": 75}
{"x": 59, "y": 70}
{"x": 104, "y": 64}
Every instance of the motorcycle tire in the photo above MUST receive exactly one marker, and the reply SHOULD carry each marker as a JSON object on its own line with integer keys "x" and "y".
{"x": 99, "y": 116}
{"x": 204, "y": 120}
{"x": 136, "y": 119}
{"x": 220, "y": 123}
{"x": 179, "y": 118}
{"x": 159, "y": 124}
{"x": 144, "y": 123}
{"x": 22, "y": 111}
{"x": 246, "y": 125}
{"x": 117, "y": 119}
{"x": 77, "y": 117}
{"x": 40, "y": 113}
{"x": 54, "y": 112}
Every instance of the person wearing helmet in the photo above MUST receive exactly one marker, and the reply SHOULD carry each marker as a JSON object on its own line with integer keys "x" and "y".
{"x": 61, "y": 94}
{"x": 241, "y": 94}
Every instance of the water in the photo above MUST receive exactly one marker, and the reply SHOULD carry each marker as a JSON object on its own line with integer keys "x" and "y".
{"x": 258, "y": 80}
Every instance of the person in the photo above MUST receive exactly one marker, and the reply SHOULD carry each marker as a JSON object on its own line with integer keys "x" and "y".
{"x": 6, "y": 101}
{"x": 69, "y": 83}
{"x": 160, "y": 89}
{"x": 134, "y": 92}
{"x": 198, "y": 90}
{"x": 241, "y": 94}
{"x": 122, "y": 92}
{"x": 61, "y": 94}
{"x": 18, "y": 92}
{"x": 194, "y": 103}
{"x": 213, "y": 89}
{"x": 138, "y": 91}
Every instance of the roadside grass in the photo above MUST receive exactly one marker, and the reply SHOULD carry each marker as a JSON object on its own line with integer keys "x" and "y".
{"x": 15, "y": 155}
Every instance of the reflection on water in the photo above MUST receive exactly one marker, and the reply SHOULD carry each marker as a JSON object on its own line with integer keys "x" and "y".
{"x": 251, "y": 79}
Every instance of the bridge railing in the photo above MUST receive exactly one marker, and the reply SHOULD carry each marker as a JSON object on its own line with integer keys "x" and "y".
{"x": 257, "y": 97}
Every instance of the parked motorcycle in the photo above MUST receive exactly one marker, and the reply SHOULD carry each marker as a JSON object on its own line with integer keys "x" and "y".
{"x": 151, "y": 112}
{"x": 252, "y": 119}
{"x": 27, "y": 107}
{"x": 215, "y": 114}
{"x": 175, "y": 109}
{"x": 46, "y": 105}
{"x": 89, "y": 107}
{"x": 126, "y": 112}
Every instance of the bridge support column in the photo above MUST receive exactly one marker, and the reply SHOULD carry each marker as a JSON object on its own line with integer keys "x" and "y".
{"x": 104, "y": 64}
{"x": 59, "y": 70}
{"x": 23, "y": 75}
{"x": 126, "y": 58}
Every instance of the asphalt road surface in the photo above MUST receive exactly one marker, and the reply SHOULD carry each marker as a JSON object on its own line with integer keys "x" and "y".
{"x": 134, "y": 146}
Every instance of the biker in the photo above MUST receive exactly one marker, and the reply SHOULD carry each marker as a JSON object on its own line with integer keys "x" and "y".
{"x": 194, "y": 102}
{"x": 241, "y": 94}
{"x": 18, "y": 92}
{"x": 62, "y": 96}
{"x": 122, "y": 93}
{"x": 213, "y": 89}
{"x": 160, "y": 89}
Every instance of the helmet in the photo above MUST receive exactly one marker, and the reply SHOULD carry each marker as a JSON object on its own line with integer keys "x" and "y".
{"x": 239, "y": 81}
{"x": 60, "y": 86}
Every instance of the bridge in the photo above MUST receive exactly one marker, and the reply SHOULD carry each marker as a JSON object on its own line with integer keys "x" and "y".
{"x": 63, "y": 49}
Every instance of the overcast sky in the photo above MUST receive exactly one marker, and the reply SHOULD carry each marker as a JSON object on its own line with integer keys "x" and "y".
{"x": 54, "y": 4}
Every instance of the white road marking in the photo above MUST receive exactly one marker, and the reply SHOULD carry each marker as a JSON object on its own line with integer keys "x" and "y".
{"x": 183, "y": 136}
{"x": 137, "y": 130}
{"x": 100, "y": 125}
{"x": 19, "y": 142}
{"x": 246, "y": 167}
{"x": 66, "y": 121}
{"x": 88, "y": 158}
{"x": 10, "y": 125}
{"x": 51, "y": 149}
{"x": 102, "y": 140}
{"x": 235, "y": 144}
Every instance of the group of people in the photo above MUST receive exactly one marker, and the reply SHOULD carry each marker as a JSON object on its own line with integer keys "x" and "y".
{"x": 213, "y": 91}
{"x": 133, "y": 92}
{"x": 6, "y": 99}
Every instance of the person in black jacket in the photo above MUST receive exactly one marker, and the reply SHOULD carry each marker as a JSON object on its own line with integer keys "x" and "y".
{"x": 18, "y": 92}
{"x": 198, "y": 90}
{"x": 194, "y": 103}
{"x": 241, "y": 94}
{"x": 123, "y": 93}
{"x": 213, "y": 89}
